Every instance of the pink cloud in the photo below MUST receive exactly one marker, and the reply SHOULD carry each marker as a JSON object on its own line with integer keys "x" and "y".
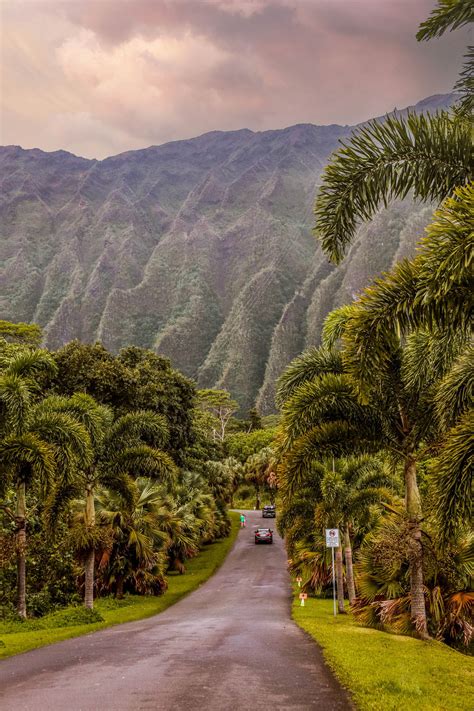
{"x": 156, "y": 70}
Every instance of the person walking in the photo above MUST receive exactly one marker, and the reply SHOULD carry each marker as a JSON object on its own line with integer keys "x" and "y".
{"x": 242, "y": 520}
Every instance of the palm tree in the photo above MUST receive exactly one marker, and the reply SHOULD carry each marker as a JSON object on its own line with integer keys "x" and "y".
{"x": 259, "y": 471}
{"x": 327, "y": 415}
{"x": 122, "y": 450}
{"x": 136, "y": 557}
{"x": 37, "y": 443}
{"x": 435, "y": 290}
{"x": 341, "y": 493}
{"x": 349, "y": 491}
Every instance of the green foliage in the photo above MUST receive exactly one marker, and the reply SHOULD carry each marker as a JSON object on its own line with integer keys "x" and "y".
{"x": 383, "y": 576}
{"x": 447, "y": 15}
{"x": 427, "y": 155}
{"x": 219, "y": 407}
{"x": 51, "y": 565}
{"x": 243, "y": 444}
{"x": 134, "y": 380}
{"x": 25, "y": 333}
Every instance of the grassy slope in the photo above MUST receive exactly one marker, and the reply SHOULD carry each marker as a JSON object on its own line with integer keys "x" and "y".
{"x": 114, "y": 612}
{"x": 386, "y": 672}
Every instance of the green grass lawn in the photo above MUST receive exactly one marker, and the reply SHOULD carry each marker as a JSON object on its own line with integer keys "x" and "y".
{"x": 386, "y": 672}
{"x": 63, "y": 624}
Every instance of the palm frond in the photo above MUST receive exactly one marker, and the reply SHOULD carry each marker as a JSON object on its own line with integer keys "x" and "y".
{"x": 144, "y": 461}
{"x": 336, "y": 323}
{"x": 30, "y": 363}
{"x": 69, "y": 438}
{"x": 454, "y": 476}
{"x": 465, "y": 86}
{"x": 29, "y": 457}
{"x": 306, "y": 367}
{"x": 138, "y": 427}
{"x": 15, "y": 401}
{"x": 427, "y": 155}
{"x": 455, "y": 393}
{"x": 330, "y": 397}
{"x": 435, "y": 291}
{"x": 84, "y": 409}
{"x": 447, "y": 15}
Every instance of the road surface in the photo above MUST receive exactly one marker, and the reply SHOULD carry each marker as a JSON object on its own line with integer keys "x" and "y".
{"x": 230, "y": 645}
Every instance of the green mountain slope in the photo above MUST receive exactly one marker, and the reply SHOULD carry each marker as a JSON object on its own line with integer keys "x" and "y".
{"x": 199, "y": 249}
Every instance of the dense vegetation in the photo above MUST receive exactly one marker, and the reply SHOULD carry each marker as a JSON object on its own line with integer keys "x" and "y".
{"x": 106, "y": 484}
{"x": 377, "y": 429}
{"x": 115, "y": 471}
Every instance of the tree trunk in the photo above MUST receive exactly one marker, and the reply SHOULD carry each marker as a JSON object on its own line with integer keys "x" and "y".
{"x": 20, "y": 520}
{"x": 340, "y": 581}
{"x": 257, "y": 497}
{"x": 89, "y": 516}
{"x": 349, "y": 568}
{"x": 119, "y": 592}
{"x": 89, "y": 580}
{"x": 413, "y": 507}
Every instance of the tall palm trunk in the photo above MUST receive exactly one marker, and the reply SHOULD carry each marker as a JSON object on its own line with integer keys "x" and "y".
{"x": 413, "y": 507}
{"x": 340, "y": 581}
{"x": 90, "y": 559}
{"x": 20, "y": 521}
{"x": 349, "y": 567}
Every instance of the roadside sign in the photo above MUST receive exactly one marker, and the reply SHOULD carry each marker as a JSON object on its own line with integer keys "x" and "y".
{"x": 303, "y": 597}
{"x": 332, "y": 541}
{"x": 299, "y": 580}
{"x": 332, "y": 537}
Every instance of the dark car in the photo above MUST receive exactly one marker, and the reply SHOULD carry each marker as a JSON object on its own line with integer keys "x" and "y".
{"x": 264, "y": 535}
{"x": 269, "y": 511}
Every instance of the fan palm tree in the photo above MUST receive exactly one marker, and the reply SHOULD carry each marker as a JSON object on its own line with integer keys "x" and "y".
{"x": 37, "y": 442}
{"x": 136, "y": 557}
{"x": 383, "y": 580}
{"x": 122, "y": 450}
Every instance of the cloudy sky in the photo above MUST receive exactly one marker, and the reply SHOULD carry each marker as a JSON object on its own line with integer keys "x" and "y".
{"x": 97, "y": 77}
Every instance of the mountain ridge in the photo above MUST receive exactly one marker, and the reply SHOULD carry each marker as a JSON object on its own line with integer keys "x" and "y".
{"x": 200, "y": 249}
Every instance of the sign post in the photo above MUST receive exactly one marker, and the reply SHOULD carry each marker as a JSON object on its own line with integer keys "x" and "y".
{"x": 303, "y": 597}
{"x": 332, "y": 541}
{"x": 299, "y": 580}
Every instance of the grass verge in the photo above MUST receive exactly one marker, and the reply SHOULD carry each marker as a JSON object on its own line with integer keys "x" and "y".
{"x": 386, "y": 672}
{"x": 63, "y": 624}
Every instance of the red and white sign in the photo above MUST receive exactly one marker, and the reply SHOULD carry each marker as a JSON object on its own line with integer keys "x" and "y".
{"x": 332, "y": 537}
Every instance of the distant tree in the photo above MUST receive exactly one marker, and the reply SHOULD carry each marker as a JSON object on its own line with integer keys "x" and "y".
{"x": 219, "y": 404}
{"x": 136, "y": 379}
{"x": 255, "y": 421}
{"x": 242, "y": 445}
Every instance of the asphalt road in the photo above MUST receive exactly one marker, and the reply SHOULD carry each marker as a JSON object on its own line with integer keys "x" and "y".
{"x": 229, "y": 645}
